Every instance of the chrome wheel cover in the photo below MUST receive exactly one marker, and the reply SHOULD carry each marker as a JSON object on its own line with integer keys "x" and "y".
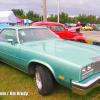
{"x": 38, "y": 80}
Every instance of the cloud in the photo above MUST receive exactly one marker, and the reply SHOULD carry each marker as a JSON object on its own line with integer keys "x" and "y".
{"x": 72, "y": 7}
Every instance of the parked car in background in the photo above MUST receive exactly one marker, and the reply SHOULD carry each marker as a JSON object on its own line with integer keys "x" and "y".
{"x": 88, "y": 27}
{"x": 60, "y": 30}
{"x": 96, "y": 27}
{"x": 38, "y": 51}
{"x": 69, "y": 25}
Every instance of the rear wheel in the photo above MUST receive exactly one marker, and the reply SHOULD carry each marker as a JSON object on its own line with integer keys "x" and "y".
{"x": 82, "y": 41}
{"x": 43, "y": 80}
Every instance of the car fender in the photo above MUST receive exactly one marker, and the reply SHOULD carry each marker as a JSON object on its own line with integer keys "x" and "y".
{"x": 80, "y": 37}
{"x": 45, "y": 64}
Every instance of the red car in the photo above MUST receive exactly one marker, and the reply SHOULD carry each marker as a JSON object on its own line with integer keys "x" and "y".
{"x": 60, "y": 30}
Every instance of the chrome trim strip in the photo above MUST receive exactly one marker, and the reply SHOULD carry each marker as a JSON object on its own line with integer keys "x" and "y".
{"x": 13, "y": 56}
{"x": 88, "y": 83}
{"x": 84, "y": 91}
{"x": 87, "y": 72}
{"x": 9, "y": 55}
{"x": 17, "y": 36}
{"x": 22, "y": 59}
{"x": 14, "y": 67}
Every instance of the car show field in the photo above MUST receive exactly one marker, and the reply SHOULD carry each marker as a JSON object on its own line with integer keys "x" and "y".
{"x": 49, "y": 50}
{"x": 13, "y": 80}
{"x": 91, "y": 35}
{"x": 39, "y": 52}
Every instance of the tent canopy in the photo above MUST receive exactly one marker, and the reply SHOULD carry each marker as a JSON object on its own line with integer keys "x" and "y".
{"x": 4, "y": 25}
{"x": 19, "y": 20}
{"x": 7, "y": 17}
{"x": 27, "y": 21}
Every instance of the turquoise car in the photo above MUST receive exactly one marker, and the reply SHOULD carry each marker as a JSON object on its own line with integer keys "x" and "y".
{"x": 96, "y": 27}
{"x": 38, "y": 51}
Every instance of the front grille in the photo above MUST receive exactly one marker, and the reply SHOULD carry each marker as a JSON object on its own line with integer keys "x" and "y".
{"x": 95, "y": 59}
{"x": 97, "y": 63}
{"x": 97, "y": 67}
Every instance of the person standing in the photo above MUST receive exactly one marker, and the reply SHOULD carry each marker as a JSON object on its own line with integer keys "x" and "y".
{"x": 78, "y": 24}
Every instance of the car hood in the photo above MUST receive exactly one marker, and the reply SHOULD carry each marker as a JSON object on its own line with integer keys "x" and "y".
{"x": 78, "y": 53}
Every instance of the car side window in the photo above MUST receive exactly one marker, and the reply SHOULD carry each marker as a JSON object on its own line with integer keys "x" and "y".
{"x": 57, "y": 28}
{"x": 48, "y": 26}
{"x": 8, "y": 34}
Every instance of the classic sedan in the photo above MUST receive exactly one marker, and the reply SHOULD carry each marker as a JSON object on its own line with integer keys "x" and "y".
{"x": 62, "y": 32}
{"x": 38, "y": 51}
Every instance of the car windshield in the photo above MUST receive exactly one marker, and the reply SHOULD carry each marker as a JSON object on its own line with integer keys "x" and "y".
{"x": 35, "y": 34}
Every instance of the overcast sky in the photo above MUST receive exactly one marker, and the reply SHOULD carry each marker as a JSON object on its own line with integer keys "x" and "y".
{"x": 72, "y": 7}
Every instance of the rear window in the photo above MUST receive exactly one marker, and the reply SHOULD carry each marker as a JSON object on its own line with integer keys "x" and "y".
{"x": 48, "y": 26}
{"x": 57, "y": 28}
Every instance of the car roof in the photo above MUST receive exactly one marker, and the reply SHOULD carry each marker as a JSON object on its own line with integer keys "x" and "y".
{"x": 22, "y": 27}
{"x": 49, "y": 23}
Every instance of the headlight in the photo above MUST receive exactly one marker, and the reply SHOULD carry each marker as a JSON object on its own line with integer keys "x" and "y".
{"x": 87, "y": 68}
{"x": 83, "y": 70}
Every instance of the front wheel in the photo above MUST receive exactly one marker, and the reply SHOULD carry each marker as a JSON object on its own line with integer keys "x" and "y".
{"x": 43, "y": 80}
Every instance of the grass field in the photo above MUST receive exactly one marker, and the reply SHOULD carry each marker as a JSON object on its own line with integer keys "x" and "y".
{"x": 13, "y": 80}
{"x": 89, "y": 41}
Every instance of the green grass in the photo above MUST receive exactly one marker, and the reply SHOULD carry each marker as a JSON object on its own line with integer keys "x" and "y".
{"x": 14, "y": 80}
{"x": 89, "y": 41}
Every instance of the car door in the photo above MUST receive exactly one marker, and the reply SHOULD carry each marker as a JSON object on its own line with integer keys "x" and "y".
{"x": 59, "y": 30}
{"x": 9, "y": 52}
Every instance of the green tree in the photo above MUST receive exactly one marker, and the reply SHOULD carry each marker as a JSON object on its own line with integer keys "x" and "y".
{"x": 51, "y": 18}
{"x": 63, "y": 17}
{"x": 75, "y": 19}
{"x": 91, "y": 19}
{"x": 98, "y": 20}
{"x": 34, "y": 17}
{"x": 83, "y": 18}
{"x": 56, "y": 18}
{"x": 18, "y": 12}
{"x": 23, "y": 17}
{"x": 30, "y": 14}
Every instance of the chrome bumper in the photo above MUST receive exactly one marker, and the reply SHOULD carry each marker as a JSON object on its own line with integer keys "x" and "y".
{"x": 84, "y": 88}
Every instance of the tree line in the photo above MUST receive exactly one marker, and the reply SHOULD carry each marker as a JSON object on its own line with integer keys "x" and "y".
{"x": 63, "y": 17}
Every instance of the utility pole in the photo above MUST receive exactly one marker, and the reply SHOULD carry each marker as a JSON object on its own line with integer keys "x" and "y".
{"x": 58, "y": 11}
{"x": 41, "y": 14}
{"x": 44, "y": 11}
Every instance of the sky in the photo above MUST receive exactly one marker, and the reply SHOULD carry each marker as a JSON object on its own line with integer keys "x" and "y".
{"x": 72, "y": 7}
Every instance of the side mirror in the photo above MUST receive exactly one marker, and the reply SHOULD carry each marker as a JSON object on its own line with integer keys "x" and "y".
{"x": 10, "y": 40}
